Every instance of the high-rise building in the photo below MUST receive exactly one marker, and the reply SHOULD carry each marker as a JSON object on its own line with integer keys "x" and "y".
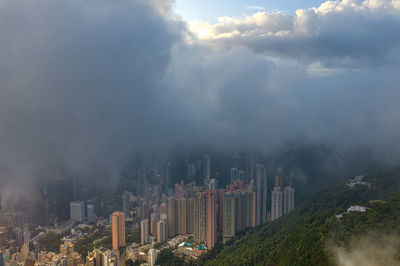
{"x": 237, "y": 212}
{"x": 190, "y": 216}
{"x": 211, "y": 218}
{"x": 234, "y": 174}
{"x": 220, "y": 213}
{"x": 77, "y": 211}
{"x": 172, "y": 217}
{"x": 276, "y": 200}
{"x": 152, "y": 256}
{"x": 191, "y": 171}
{"x": 213, "y": 184}
{"x": 144, "y": 231}
{"x": 261, "y": 193}
{"x": 154, "y": 218}
{"x": 200, "y": 217}
{"x": 118, "y": 230}
{"x": 229, "y": 216}
{"x": 182, "y": 216}
{"x": 90, "y": 213}
{"x": 60, "y": 192}
{"x": 162, "y": 231}
{"x": 207, "y": 167}
{"x": 241, "y": 175}
{"x": 249, "y": 168}
{"x": 126, "y": 202}
{"x": 288, "y": 199}
{"x": 180, "y": 190}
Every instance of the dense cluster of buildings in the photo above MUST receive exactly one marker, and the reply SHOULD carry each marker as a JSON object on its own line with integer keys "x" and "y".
{"x": 66, "y": 257}
{"x": 209, "y": 213}
{"x": 201, "y": 214}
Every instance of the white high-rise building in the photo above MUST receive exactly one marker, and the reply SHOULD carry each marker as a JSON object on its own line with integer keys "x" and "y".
{"x": 276, "y": 203}
{"x": 261, "y": 193}
{"x": 152, "y": 256}
{"x": 144, "y": 231}
{"x": 162, "y": 232}
{"x": 288, "y": 199}
{"x": 77, "y": 211}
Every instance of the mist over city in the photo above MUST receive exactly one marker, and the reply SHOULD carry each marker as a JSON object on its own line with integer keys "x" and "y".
{"x": 187, "y": 133}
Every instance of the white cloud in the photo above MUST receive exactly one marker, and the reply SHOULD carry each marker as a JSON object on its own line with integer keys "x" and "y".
{"x": 348, "y": 34}
{"x": 251, "y": 7}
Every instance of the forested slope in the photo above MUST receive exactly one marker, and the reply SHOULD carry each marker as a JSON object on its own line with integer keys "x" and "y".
{"x": 312, "y": 235}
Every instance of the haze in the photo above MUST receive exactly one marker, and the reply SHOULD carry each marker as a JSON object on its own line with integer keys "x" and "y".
{"x": 85, "y": 83}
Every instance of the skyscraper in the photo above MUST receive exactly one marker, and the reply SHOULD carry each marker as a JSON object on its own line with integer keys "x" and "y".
{"x": 213, "y": 184}
{"x": 190, "y": 216}
{"x": 172, "y": 219}
{"x": 276, "y": 200}
{"x": 182, "y": 216}
{"x": 237, "y": 212}
{"x": 229, "y": 216}
{"x": 261, "y": 193}
{"x": 152, "y": 256}
{"x": 90, "y": 213}
{"x": 241, "y": 175}
{"x": 207, "y": 170}
{"x": 162, "y": 231}
{"x": 77, "y": 211}
{"x": 249, "y": 168}
{"x": 200, "y": 217}
{"x": 211, "y": 218}
{"x": 118, "y": 230}
{"x": 144, "y": 231}
{"x": 234, "y": 174}
{"x": 126, "y": 202}
{"x": 191, "y": 170}
{"x": 288, "y": 199}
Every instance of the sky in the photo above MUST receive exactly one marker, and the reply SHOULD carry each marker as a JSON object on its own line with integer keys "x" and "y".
{"x": 210, "y": 10}
{"x": 86, "y": 83}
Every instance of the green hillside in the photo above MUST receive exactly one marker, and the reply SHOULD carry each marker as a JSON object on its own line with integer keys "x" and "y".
{"x": 313, "y": 235}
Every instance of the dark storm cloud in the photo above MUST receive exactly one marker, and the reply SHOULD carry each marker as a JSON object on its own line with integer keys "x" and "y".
{"x": 248, "y": 97}
{"x": 80, "y": 83}
{"x": 83, "y": 83}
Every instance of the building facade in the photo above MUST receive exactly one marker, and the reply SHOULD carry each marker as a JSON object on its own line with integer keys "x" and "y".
{"x": 77, "y": 211}
{"x": 118, "y": 230}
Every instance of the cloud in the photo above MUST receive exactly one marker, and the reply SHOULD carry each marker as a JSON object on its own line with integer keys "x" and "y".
{"x": 348, "y": 34}
{"x": 83, "y": 84}
{"x": 259, "y": 8}
{"x": 370, "y": 251}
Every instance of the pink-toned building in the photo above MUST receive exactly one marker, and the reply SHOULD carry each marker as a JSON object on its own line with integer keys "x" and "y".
{"x": 211, "y": 218}
{"x": 118, "y": 230}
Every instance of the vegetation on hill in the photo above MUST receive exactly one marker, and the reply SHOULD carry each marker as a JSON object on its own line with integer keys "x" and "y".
{"x": 312, "y": 234}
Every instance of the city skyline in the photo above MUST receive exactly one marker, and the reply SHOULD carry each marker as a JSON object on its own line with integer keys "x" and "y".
{"x": 179, "y": 132}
